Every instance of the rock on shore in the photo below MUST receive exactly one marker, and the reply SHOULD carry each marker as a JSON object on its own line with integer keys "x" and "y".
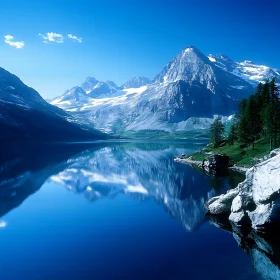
{"x": 256, "y": 201}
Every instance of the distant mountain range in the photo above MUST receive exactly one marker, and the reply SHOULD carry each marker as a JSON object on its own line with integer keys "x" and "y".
{"x": 246, "y": 70}
{"x": 185, "y": 95}
{"x": 26, "y": 117}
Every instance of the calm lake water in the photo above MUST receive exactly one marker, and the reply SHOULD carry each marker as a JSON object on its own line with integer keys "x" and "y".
{"x": 114, "y": 211}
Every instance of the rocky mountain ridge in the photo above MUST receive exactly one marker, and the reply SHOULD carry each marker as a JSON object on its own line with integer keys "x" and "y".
{"x": 191, "y": 89}
{"x": 26, "y": 116}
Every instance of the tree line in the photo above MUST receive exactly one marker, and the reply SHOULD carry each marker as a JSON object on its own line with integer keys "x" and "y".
{"x": 257, "y": 117}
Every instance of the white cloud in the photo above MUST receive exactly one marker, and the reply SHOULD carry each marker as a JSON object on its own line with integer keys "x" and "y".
{"x": 52, "y": 37}
{"x": 9, "y": 40}
{"x": 3, "y": 224}
{"x": 75, "y": 38}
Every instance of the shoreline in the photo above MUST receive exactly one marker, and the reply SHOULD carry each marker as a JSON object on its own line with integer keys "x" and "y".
{"x": 197, "y": 163}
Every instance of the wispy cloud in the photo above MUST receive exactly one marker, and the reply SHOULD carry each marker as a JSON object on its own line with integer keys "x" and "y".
{"x": 9, "y": 40}
{"x": 52, "y": 37}
{"x": 3, "y": 224}
{"x": 75, "y": 38}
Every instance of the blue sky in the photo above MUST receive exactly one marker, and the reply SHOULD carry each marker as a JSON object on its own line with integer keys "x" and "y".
{"x": 121, "y": 39}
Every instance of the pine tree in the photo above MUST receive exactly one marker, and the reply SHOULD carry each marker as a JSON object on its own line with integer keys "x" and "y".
{"x": 216, "y": 131}
{"x": 243, "y": 135}
{"x": 268, "y": 115}
{"x": 232, "y": 136}
{"x": 259, "y": 107}
{"x": 259, "y": 95}
{"x": 274, "y": 91}
{"x": 266, "y": 94}
{"x": 258, "y": 116}
{"x": 241, "y": 107}
{"x": 251, "y": 116}
{"x": 271, "y": 115}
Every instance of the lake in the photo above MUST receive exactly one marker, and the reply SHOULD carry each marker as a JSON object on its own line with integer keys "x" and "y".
{"x": 116, "y": 211}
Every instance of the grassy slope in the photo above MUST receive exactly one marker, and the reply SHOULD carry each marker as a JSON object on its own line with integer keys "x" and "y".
{"x": 245, "y": 157}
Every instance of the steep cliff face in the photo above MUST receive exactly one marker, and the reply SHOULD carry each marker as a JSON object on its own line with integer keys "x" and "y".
{"x": 256, "y": 201}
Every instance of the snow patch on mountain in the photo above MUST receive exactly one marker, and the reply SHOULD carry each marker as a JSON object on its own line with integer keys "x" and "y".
{"x": 136, "y": 82}
{"x": 247, "y": 70}
{"x": 185, "y": 95}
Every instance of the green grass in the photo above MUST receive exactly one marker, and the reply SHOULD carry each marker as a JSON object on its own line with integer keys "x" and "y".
{"x": 245, "y": 157}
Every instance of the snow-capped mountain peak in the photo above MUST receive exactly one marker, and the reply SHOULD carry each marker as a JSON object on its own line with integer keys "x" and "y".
{"x": 102, "y": 89}
{"x": 111, "y": 84}
{"x": 96, "y": 89}
{"x": 197, "y": 70}
{"x": 247, "y": 70}
{"x": 188, "y": 65}
{"x": 222, "y": 61}
{"x": 71, "y": 99}
{"x": 190, "y": 89}
{"x": 89, "y": 84}
{"x": 74, "y": 94}
{"x": 136, "y": 82}
{"x": 258, "y": 73}
{"x": 26, "y": 116}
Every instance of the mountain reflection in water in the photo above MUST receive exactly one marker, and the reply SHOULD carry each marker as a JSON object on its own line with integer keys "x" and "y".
{"x": 140, "y": 172}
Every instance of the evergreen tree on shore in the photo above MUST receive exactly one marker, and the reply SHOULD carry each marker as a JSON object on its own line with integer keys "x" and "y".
{"x": 216, "y": 131}
{"x": 233, "y": 134}
{"x": 271, "y": 116}
{"x": 258, "y": 117}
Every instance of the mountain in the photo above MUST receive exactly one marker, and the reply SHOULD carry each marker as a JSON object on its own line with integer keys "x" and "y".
{"x": 89, "y": 84}
{"x": 74, "y": 97}
{"x": 102, "y": 89}
{"x": 246, "y": 70}
{"x": 112, "y": 84}
{"x": 98, "y": 89}
{"x": 191, "y": 88}
{"x": 136, "y": 82}
{"x": 26, "y": 116}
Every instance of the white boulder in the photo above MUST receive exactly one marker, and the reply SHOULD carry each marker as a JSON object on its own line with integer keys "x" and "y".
{"x": 257, "y": 199}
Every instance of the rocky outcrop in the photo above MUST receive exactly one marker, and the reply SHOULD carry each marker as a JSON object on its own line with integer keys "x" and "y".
{"x": 189, "y": 161}
{"x": 256, "y": 201}
{"x": 216, "y": 164}
{"x": 216, "y": 161}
